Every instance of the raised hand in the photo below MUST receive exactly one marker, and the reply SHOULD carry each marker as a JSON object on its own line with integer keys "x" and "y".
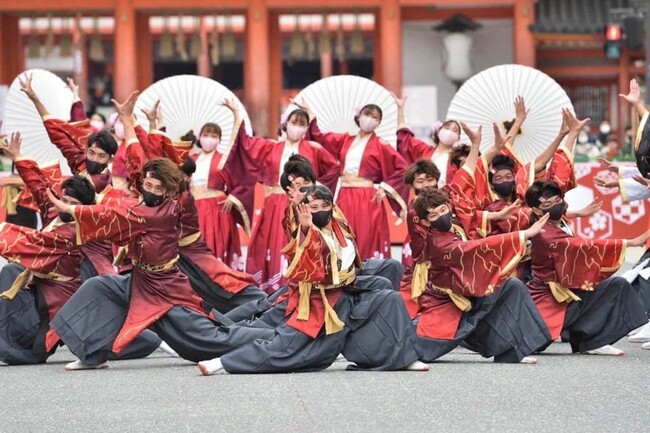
{"x": 634, "y": 95}
{"x": 125, "y": 109}
{"x": 575, "y": 125}
{"x": 58, "y": 204}
{"x": 152, "y": 114}
{"x": 400, "y": 102}
{"x": 474, "y": 136}
{"x": 26, "y": 86}
{"x": 520, "y": 109}
{"x": 75, "y": 89}
{"x": 230, "y": 104}
{"x": 536, "y": 228}
{"x": 499, "y": 139}
{"x": 564, "y": 128}
{"x": 12, "y": 149}
{"x": 304, "y": 217}
{"x": 506, "y": 211}
{"x": 295, "y": 195}
{"x": 590, "y": 209}
{"x": 640, "y": 240}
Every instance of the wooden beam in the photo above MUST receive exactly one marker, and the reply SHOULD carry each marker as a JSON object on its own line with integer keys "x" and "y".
{"x": 29, "y": 7}
{"x": 524, "y": 42}
{"x": 189, "y": 7}
{"x": 589, "y": 71}
{"x": 475, "y": 13}
{"x": 571, "y": 53}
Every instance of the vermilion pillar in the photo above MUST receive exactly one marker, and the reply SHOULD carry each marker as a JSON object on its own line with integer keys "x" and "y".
{"x": 524, "y": 43}
{"x": 11, "y": 49}
{"x": 257, "y": 66}
{"x": 275, "y": 64}
{"x": 125, "y": 79}
{"x": 389, "y": 63}
{"x": 144, "y": 51}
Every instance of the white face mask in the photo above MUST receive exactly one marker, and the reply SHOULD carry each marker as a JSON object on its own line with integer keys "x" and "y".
{"x": 447, "y": 137}
{"x": 583, "y": 138}
{"x": 605, "y": 128}
{"x": 295, "y": 132}
{"x": 119, "y": 130}
{"x": 97, "y": 125}
{"x": 208, "y": 144}
{"x": 368, "y": 124}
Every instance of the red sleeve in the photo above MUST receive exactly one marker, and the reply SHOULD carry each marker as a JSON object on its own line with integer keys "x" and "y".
{"x": 410, "y": 147}
{"x": 331, "y": 141}
{"x": 561, "y": 170}
{"x": 393, "y": 167}
{"x": 77, "y": 112}
{"x": 37, "y": 183}
{"x": 135, "y": 160}
{"x": 326, "y": 166}
{"x": 117, "y": 224}
{"x": 71, "y": 140}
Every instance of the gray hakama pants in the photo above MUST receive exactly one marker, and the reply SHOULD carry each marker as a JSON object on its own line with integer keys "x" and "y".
{"x": 378, "y": 335}
{"x": 213, "y": 295}
{"x": 505, "y": 325}
{"x": 604, "y": 315}
{"x": 91, "y": 320}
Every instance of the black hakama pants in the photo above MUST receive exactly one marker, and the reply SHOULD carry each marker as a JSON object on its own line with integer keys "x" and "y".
{"x": 91, "y": 320}
{"x": 378, "y": 335}
{"x": 505, "y": 325}
{"x": 604, "y": 315}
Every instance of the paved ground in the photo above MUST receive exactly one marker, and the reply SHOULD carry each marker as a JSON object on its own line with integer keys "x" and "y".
{"x": 462, "y": 392}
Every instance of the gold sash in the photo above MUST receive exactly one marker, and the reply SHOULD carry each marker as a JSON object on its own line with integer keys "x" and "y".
{"x": 9, "y": 194}
{"x": 352, "y": 181}
{"x": 332, "y": 322}
{"x": 561, "y": 294}
{"x": 203, "y": 192}
{"x": 25, "y": 277}
{"x": 155, "y": 268}
{"x": 189, "y": 239}
{"x": 420, "y": 279}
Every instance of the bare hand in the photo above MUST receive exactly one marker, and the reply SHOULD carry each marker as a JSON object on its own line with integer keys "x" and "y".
{"x": 575, "y": 125}
{"x": 227, "y": 206}
{"x": 606, "y": 184}
{"x": 379, "y": 196}
{"x": 642, "y": 180}
{"x": 536, "y": 228}
{"x": 590, "y": 209}
{"x": 58, "y": 204}
{"x": 474, "y": 136}
{"x": 520, "y": 109}
{"x": 295, "y": 195}
{"x": 607, "y": 165}
{"x": 152, "y": 113}
{"x": 304, "y": 217}
{"x": 74, "y": 88}
{"x": 399, "y": 101}
{"x": 640, "y": 240}
{"x": 26, "y": 86}
{"x": 564, "y": 128}
{"x": 230, "y": 104}
{"x": 634, "y": 95}
{"x": 12, "y": 150}
{"x": 499, "y": 139}
{"x": 125, "y": 109}
{"x": 506, "y": 211}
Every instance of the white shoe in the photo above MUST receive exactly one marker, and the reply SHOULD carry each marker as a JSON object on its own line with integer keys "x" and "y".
{"x": 77, "y": 365}
{"x": 645, "y": 346}
{"x": 3, "y": 364}
{"x": 418, "y": 366}
{"x": 168, "y": 350}
{"x": 528, "y": 360}
{"x": 340, "y": 358}
{"x": 606, "y": 351}
{"x": 213, "y": 366}
{"x": 642, "y": 334}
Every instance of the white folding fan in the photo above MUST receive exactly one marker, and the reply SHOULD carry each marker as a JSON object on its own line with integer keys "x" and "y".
{"x": 21, "y": 115}
{"x": 489, "y": 97}
{"x": 189, "y": 102}
{"x": 334, "y": 99}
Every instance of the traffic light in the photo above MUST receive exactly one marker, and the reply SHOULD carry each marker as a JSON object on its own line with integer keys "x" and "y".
{"x": 634, "y": 33}
{"x": 613, "y": 41}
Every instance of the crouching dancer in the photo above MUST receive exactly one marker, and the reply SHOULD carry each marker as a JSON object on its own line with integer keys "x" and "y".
{"x": 327, "y": 313}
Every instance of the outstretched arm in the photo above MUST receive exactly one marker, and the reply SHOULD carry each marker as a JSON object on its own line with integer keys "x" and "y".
{"x": 26, "y": 87}
{"x": 634, "y": 98}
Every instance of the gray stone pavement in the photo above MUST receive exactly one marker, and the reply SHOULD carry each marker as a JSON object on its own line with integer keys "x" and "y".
{"x": 462, "y": 392}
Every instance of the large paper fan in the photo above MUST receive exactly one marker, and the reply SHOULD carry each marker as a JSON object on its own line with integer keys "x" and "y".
{"x": 334, "y": 99}
{"x": 189, "y": 102}
{"x": 22, "y": 116}
{"x": 489, "y": 97}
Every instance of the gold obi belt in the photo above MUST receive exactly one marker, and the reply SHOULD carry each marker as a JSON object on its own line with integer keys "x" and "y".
{"x": 275, "y": 189}
{"x": 353, "y": 181}
{"x": 189, "y": 239}
{"x": 562, "y": 294}
{"x": 332, "y": 322}
{"x": 203, "y": 192}
{"x": 155, "y": 268}
{"x": 419, "y": 284}
{"x": 25, "y": 277}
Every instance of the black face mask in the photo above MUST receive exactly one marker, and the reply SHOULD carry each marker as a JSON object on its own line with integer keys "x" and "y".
{"x": 504, "y": 189}
{"x": 152, "y": 200}
{"x": 556, "y": 211}
{"x": 66, "y": 217}
{"x": 443, "y": 223}
{"x": 93, "y": 167}
{"x": 321, "y": 218}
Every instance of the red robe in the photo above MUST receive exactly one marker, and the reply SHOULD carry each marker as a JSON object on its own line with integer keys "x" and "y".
{"x": 311, "y": 261}
{"x": 380, "y": 166}
{"x": 469, "y": 268}
{"x": 260, "y": 159}
{"x": 568, "y": 264}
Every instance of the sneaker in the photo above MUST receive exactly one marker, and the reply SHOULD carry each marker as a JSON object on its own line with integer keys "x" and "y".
{"x": 340, "y": 358}
{"x": 418, "y": 366}
{"x": 528, "y": 360}
{"x": 645, "y": 346}
{"x": 213, "y": 366}
{"x": 77, "y": 365}
{"x": 168, "y": 350}
{"x": 642, "y": 335}
{"x": 606, "y": 351}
